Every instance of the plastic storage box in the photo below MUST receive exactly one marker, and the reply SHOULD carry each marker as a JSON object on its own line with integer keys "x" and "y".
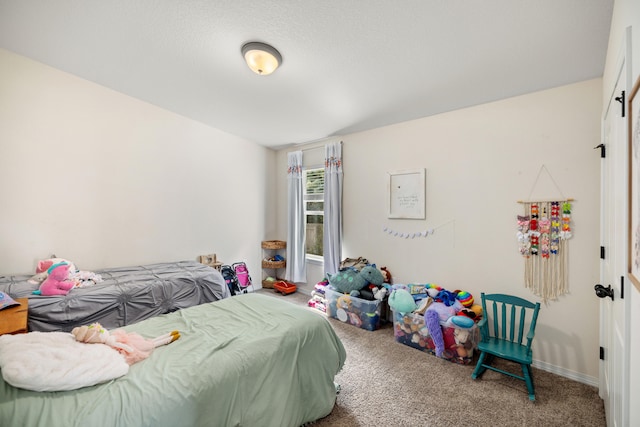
{"x": 459, "y": 343}
{"x": 355, "y": 311}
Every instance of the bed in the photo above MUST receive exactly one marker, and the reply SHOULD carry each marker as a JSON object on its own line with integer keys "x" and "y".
{"x": 125, "y": 295}
{"x": 250, "y": 360}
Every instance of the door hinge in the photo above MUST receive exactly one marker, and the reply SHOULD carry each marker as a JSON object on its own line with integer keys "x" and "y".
{"x": 620, "y": 99}
{"x": 603, "y": 150}
{"x": 601, "y": 353}
{"x": 601, "y": 252}
{"x": 622, "y": 287}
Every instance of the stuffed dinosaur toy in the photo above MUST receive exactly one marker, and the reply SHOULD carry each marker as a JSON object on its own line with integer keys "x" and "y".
{"x": 57, "y": 281}
{"x": 350, "y": 280}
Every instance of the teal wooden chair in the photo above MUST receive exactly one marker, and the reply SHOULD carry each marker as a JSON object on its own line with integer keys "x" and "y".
{"x": 502, "y": 330}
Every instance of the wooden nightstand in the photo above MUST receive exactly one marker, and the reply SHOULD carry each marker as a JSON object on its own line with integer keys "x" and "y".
{"x": 13, "y": 320}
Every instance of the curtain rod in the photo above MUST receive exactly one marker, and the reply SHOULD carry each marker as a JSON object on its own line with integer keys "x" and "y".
{"x": 319, "y": 147}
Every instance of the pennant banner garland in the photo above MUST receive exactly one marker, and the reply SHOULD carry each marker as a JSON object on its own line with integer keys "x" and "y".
{"x": 423, "y": 233}
{"x": 414, "y": 234}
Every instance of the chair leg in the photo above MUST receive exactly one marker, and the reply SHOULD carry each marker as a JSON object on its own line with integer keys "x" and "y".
{"x": 479, "y": 370}
{"x": 528, "y": 378}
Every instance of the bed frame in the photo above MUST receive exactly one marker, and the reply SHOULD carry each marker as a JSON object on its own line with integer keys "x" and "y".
{"x": 125, "y": 296}
{"x": 250, "y": 360}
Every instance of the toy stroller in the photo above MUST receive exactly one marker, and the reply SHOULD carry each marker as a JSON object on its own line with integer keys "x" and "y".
{"x": 244, "y": 279}
{"x": 231, "y": 279}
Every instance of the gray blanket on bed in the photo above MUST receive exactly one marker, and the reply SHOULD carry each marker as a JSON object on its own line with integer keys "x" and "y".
{"x": 126, "y": 295}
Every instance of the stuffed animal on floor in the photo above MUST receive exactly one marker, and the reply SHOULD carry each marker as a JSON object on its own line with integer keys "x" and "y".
{"x": 349, "y": 280}
{"x": 57, "y": 281}
{"x": 132, "y": 346}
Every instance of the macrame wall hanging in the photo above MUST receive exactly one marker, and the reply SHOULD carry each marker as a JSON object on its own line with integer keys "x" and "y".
{"x": 543, "y": 232}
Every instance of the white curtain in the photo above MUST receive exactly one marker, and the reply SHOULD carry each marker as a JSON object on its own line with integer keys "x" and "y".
{"x": 332, "y": 232}
{"x": 296, "y": 270}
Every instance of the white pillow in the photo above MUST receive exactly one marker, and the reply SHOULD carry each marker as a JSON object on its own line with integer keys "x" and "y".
{"x": 55, "y": 361}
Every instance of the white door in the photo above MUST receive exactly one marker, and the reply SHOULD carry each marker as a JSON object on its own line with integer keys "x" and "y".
{"x": 613, "y": 311}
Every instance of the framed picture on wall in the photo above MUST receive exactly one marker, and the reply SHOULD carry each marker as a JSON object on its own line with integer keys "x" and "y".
{"x": 406, "y": 196}
{"x": 634, "y": 184}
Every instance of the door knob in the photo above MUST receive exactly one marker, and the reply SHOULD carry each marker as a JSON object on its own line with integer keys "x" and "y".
{"x": 603, "y": 292}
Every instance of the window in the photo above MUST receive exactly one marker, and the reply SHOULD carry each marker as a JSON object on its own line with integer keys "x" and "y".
{"x": 314, "y": 211}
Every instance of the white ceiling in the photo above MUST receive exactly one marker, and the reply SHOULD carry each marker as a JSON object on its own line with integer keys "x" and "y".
{"x": 348, "y": 65}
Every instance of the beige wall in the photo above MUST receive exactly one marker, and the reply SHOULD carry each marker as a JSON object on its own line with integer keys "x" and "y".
{"x": 107, "y": 180}
{"x": 480, "y": 161}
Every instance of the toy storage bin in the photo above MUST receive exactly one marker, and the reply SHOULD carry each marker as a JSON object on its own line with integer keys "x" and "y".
{"x": 409, "y": 329}
{"x": 355, "y": 311}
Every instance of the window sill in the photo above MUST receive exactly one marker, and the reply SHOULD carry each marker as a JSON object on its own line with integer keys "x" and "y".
{"x": 315, "y": 260}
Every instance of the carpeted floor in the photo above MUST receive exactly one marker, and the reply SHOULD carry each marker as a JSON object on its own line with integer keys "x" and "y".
{"x": 389, "y": 384}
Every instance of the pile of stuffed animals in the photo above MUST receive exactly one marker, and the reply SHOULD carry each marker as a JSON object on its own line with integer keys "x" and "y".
{"x": 354, "y": 294}
{"x": 318, "y": 296}
{"x": 367, "y": 283}
{"x": 57, "y": 276}
{"x": 441, "y": 322}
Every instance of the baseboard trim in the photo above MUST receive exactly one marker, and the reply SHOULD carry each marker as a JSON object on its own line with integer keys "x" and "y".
{"x": 563, "y": 372}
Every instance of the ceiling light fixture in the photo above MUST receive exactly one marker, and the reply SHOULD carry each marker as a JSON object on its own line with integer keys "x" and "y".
{"x": 261, "y": 58}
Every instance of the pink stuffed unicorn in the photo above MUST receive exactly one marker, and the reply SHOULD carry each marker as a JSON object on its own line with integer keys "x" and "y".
{"x": 43, "y": 267}
{"x": 57, "y": 282}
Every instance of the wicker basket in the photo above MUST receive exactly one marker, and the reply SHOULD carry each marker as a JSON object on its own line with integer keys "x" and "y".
{"x": 274, "y": 244}
{"x": 273, "y": 264}
{"x": 268, "y": 284}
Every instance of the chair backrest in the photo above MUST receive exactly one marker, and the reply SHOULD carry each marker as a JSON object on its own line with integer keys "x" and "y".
{"x": 506, "y": 317}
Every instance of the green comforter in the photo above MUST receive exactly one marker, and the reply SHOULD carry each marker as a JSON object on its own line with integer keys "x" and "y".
{"x": 250, "y": 360}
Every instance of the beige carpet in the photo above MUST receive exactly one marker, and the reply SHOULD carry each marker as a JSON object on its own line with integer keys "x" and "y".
{"x": 384, "y": 383}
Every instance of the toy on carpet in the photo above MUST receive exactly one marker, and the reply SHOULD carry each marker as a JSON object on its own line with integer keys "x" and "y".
{"x": 57, "y": 281}
{"x": 362, "y": 313}
{"x": 318, "y": 300}
{"x": 439, "y": 318}
{"x": 401, "y": 301}
{"x": 132, "y": 346}
{"x": 349, "y": 280}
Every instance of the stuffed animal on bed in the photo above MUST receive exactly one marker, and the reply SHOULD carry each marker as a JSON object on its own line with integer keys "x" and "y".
{"x": 132, "y": 346}
{"x": 57, "y": 281}
{"x": 44, "y": 265}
